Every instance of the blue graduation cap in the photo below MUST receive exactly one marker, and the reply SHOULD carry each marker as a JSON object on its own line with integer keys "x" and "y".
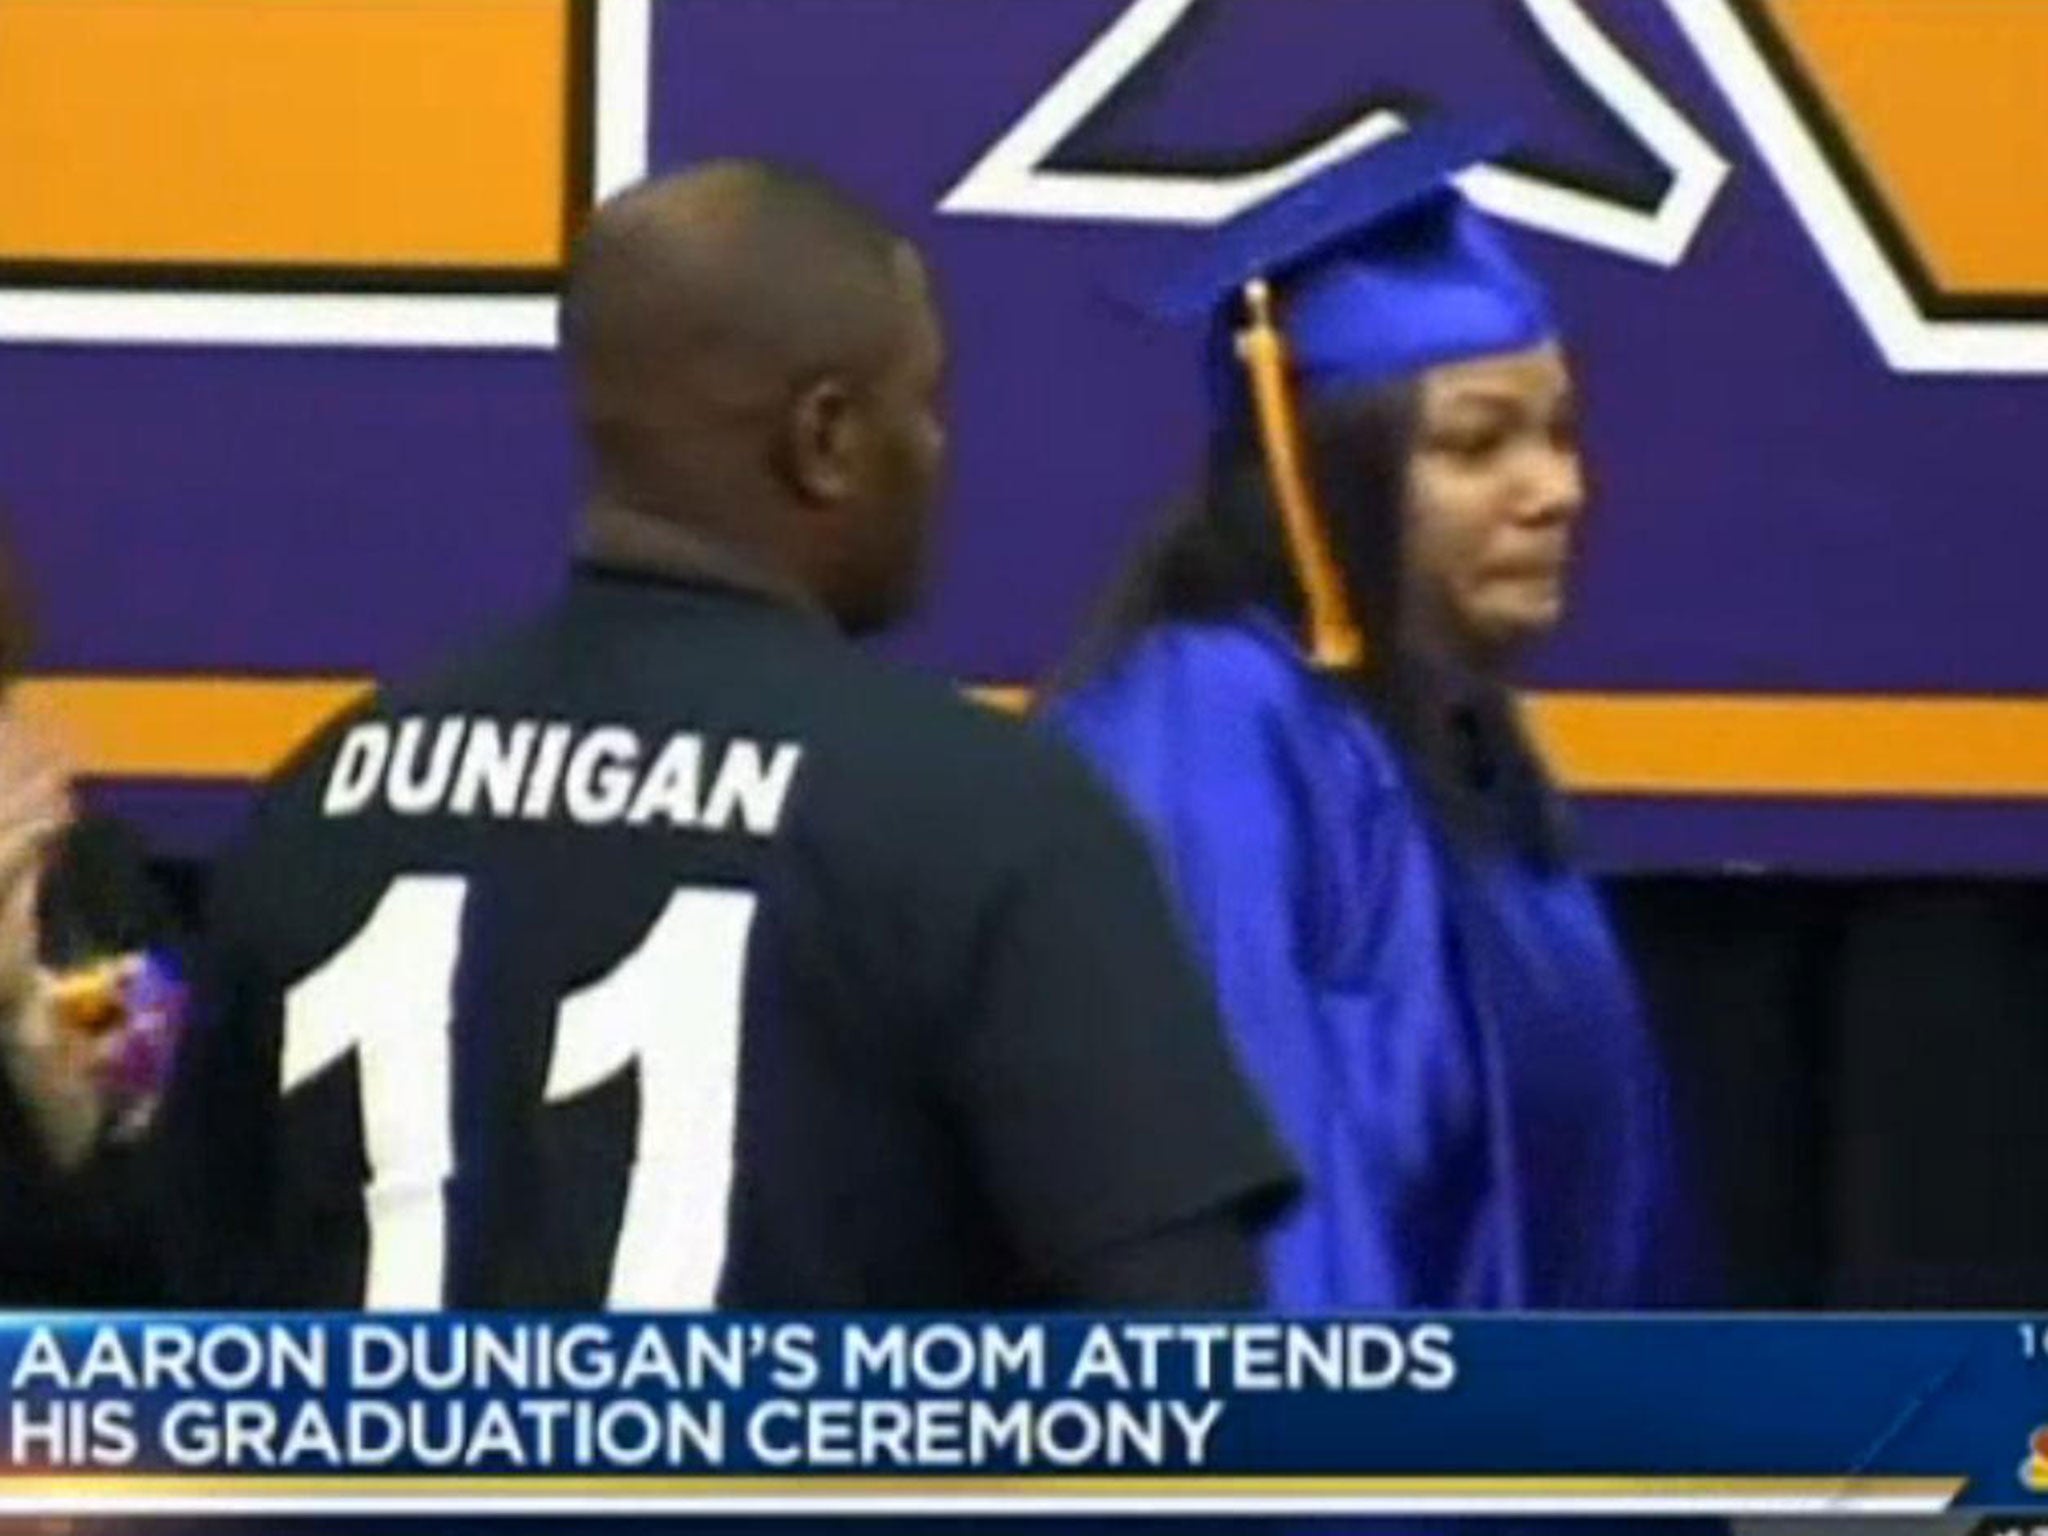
{"x": 1374, "y": 269}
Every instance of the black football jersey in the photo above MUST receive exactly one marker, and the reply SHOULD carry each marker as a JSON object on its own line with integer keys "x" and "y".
{"x": 672, "y": 952}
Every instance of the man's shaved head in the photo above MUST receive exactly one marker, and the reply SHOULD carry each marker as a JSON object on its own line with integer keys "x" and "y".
{"x": 744, "y": 343}
{"x": 737, "y": 264}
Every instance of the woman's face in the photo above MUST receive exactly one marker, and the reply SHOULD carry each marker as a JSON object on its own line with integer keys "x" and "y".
{"x": 1495, "y": 493}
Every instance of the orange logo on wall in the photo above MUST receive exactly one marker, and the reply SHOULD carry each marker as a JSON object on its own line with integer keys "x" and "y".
{"x": 1932, "y": 117}
{"x": 263, "y": 144}
{"x": 331, "y": 148}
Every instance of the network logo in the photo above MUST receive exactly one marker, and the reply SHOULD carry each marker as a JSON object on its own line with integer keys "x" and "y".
{"x": 2034, "y": 1470}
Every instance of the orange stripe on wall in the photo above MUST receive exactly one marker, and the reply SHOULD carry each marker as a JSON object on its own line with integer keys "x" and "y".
{"x": 1685, "y": 744}
{"x": 208, "y": 728}
{"x": 184, "y": 727}
{"x": 344, "y": 132}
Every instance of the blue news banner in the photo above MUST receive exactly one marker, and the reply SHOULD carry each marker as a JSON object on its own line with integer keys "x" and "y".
{"x": 709, "y": 1414}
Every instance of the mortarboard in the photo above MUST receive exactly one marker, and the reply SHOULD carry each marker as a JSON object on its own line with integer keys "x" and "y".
{"x": 1371, "y": 270}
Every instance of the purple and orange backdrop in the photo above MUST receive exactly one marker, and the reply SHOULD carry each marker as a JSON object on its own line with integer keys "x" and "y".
{"x": 277, "y": 412}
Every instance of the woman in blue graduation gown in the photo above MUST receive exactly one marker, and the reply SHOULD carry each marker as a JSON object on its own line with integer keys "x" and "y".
{"x": 1305, "y": 698}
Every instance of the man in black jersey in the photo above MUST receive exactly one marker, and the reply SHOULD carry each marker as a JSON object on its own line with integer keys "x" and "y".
{"x": 669, "y": 950}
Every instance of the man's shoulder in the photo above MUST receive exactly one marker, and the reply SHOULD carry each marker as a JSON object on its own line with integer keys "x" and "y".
{"x": 950, "y": 756}
{"x": 464, "y": 679}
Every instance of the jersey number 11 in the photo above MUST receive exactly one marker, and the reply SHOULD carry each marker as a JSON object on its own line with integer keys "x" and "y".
{"x": 670, "y": 1009}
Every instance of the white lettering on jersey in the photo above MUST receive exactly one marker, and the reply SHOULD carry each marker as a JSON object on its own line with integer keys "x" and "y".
{"x": 547, "y": 772}
{"x": 493, "y": 767}
{"x": 413, "y": 792}
{"x": 537, "y": 771}
{"x": 358, "y": 767}
{"x": 601, "y": 772}
{"x": 670, "y": 788}
{"x": 755, "y": 789}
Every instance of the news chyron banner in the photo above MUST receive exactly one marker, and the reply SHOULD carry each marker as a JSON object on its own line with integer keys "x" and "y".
{"x": 791, "y": 1415}
{"x": 298, "y": 262}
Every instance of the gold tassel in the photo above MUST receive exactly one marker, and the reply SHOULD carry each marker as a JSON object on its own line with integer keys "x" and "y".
{"x": 1335, "y": 641}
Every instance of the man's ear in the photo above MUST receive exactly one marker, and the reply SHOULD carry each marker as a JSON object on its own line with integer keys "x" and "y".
{"x": 825, "y": 442}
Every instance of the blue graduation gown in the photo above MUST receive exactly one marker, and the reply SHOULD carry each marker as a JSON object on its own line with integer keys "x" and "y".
{"x": 1450, "y": 1044}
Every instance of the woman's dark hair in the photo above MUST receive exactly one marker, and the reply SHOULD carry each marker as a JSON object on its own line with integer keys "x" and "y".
{"x": 1227, "y": 552}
